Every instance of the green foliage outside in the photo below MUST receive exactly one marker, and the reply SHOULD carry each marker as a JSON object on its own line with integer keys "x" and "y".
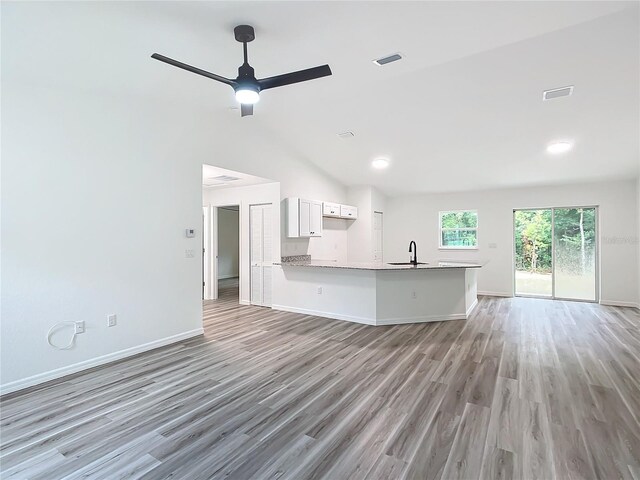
{"x": 574, "y": 237}
{"x": 459, "y": 229}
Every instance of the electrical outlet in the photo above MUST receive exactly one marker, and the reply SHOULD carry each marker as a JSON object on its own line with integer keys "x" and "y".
{"x": 493, "y": 245}
{"x": 189, "y": 253}
{"x": 319, "y": 290}
{"x": 414, "y": 295}
{"x": 79, "y": 328}
{"x": 111, "y": 320}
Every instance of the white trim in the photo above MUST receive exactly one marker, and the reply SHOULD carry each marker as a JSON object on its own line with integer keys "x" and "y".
{"x": 495, "y": 294}
{"x": 95, "y": 362}
{"x": 472, "y": 307}
{"x": 373, "y": 321}
{"x": 318, "y": 313}
{"x": 244, "y": 302}
{"x": 422, "y": 319}
{"x": 618, "y": 303}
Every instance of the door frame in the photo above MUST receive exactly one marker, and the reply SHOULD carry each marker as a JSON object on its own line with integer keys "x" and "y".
{"x": 553, "y": 253}
{"x": 210, "y": 252}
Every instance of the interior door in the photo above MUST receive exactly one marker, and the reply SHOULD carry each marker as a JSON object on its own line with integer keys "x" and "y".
{"x": 260, "y": 221}
{"x": 377, "y": 236}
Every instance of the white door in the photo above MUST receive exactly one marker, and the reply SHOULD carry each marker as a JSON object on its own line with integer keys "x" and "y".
{"x": 210, "y": 253}
{"x": 260, "y": 250}
{"x": 377, "y": 236}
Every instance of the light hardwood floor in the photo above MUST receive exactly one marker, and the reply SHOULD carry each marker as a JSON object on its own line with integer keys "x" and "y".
{"x": 529, "y": 389}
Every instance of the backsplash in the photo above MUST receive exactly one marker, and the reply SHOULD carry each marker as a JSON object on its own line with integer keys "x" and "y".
{"x": 296, "y": 258}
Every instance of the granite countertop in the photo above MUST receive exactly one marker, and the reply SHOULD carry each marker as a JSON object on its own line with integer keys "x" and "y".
{"x": 376, "y": 265}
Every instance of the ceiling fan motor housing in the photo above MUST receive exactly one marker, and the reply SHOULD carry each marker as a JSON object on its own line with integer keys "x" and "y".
{"x": 244, "y": 33}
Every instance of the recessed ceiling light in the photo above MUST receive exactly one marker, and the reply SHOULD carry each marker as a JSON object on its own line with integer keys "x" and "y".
{"x": 380, "y": 163}
{"x": 559, "y": 147}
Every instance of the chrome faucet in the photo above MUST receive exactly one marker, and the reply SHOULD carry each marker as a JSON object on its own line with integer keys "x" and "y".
{"x": 413, "y": 248}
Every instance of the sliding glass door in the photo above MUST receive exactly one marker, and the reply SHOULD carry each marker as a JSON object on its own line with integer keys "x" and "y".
{"x": 574, "y": 244}
{"x": 556, "y": 253}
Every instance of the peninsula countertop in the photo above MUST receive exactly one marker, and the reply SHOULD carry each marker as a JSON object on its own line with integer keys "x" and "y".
{"x": 377, "y": 265}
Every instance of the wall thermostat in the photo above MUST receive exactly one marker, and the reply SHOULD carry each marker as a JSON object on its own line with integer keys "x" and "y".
{"x": 191, "y": 232}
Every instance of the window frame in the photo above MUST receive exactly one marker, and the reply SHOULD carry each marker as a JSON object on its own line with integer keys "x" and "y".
{"x": 440, "y": 230}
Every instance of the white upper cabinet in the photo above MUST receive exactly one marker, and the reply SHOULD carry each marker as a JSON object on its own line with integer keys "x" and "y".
{"x": 304, "y": 217}
{"x": 331, "y": 209}
{"x": 339, "y": 211}
{"x": 347, "y": 211}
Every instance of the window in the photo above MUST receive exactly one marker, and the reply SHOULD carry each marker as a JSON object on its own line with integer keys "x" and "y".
{"x": 459, "y": 229}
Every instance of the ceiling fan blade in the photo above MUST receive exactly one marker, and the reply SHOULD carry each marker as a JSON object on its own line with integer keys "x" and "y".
{"x": 294, "y": 77}
{"x": 195, "y": 70}
{"x": 246, "y": 109}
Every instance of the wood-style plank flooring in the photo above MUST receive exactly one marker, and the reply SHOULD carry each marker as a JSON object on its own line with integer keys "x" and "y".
{"x": 526, "y": 388}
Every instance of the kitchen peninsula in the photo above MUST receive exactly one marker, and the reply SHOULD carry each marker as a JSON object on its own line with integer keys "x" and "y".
{"x": 376, "y": 293}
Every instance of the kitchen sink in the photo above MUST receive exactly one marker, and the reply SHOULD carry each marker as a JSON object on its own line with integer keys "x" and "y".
{"x": 406, "y": 263}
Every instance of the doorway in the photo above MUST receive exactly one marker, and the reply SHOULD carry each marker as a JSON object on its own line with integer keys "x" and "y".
{"x": 556, "y": 253}
{"x": 228, "y": 258}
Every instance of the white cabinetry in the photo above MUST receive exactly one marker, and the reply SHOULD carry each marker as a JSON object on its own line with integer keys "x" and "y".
{"x": 347, "y": 211}
{"x": 339, "y": 211}
{"x": 331, "y": 209}
{"x": 304, "y": 217}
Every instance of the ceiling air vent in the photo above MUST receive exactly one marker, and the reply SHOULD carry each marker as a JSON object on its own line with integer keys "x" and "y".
{"x": 391, "y": 58}
{"x": 225, "y": 178}
{"x": 557, "y": 93}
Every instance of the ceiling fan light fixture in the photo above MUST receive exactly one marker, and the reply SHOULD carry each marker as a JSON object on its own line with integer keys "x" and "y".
{"x": 247, "y": 95}
{"x": 380, "y": 163}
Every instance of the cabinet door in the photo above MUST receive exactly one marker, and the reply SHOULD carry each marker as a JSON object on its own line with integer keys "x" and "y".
{"x": 331, "y": 209}
{"x": 347, "y": 211}
{"x": 305, "y": 218}
{"x": 315, "y": 221}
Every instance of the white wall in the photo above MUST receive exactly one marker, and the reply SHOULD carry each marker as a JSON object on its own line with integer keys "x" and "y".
{"x": 98, "y": 188}
{"x": 416, "y": 218}
{"x": 228, "y": 243}
{"x": 360, "y": 239}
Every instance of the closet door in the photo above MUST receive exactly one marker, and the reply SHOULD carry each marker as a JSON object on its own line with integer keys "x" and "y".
{"x": 260, "y": 218}
{"x": 377, "y": 236}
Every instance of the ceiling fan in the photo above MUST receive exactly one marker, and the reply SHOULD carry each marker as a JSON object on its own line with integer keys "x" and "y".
{"x": 246, "y": 85}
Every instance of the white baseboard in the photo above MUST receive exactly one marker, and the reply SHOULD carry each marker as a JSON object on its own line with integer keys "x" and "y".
{"x": 472, "y": 307}
{"x": 618, "y": 303}
{"x": 318, "y": 313}
{"x": 373, "y": 321}
{"x": 244, "y": 302}
{"x": 495, "y": 294}
{"x": 421, "y": 319}
{"x": 95, "y": 362}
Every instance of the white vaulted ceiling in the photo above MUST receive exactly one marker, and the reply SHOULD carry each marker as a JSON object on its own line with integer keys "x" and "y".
{"x": 463, "y": 110}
